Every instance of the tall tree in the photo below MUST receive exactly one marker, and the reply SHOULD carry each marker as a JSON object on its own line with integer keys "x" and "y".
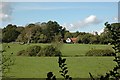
{"x": 10, "y": 33}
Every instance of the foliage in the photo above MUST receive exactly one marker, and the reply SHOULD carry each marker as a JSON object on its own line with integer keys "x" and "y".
{"x": 50, "y": 76}
{"x": 47, "y": 32}
{"x": 39, "y": 51}
{"x": 22, "y": 53}
{"x": 33, "y": 50}
{"x": 10, "y": 33}
{"x": 114, "y": 31}
{"x": 88, "y": 38}
{"x": 6, "y": 61}
{"x": 100, "y": 52}
{"x": 30, "y": 51}
{"x": 51, "y": 51}
{"x": 40, "y": 33}
{"x": 105, "y": 37}
{"x": 64, "y": 69}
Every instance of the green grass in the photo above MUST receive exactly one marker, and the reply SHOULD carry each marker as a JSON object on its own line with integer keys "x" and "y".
{"x": 66, "y": 49}
{"x": 80, "y": 49}
{"x": 79, "y": 67}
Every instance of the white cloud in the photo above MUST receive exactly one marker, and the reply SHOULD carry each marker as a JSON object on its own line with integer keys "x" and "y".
{"x": 115, "y": 18}
{"x": 90, "y": 20}
{"x": 101, "y": 31}
{"x": 6, "y": 11}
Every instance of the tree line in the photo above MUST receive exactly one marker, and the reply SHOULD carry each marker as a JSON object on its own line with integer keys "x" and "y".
{"x": 47, "y": 32}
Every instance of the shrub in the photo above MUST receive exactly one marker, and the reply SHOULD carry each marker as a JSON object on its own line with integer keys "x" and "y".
{"x": 49, "y": 51}
{"x": 22, "y": 52}
{"x": 100, "y": 52}
{"x": 31, "y": 51}
{"x": 38, "y": 51}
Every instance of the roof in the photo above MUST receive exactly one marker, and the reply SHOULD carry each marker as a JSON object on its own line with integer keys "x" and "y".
{"x": 73, "y": 39}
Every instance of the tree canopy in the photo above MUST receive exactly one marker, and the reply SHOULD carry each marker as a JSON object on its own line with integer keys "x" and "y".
{"x": 47, "y": 32}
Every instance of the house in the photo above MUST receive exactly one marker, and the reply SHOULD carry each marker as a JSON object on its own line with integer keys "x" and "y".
{"x": 74, "y": 40}
{"x": 71, "y": 40}
{"x": 68, "y": 40}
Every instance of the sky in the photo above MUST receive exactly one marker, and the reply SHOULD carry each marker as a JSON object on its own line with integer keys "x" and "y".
{"x": 74, "y": 16}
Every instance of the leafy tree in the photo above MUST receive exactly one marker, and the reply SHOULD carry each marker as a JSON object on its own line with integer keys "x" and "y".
{"x": 47, "y": 32}
{"x": 105, "y": 37}
{"x": 75, "y": 34}
{"x": 114, "y": 31}
{"x": 42, "y": 38}
{"x": 31, "y": 33}
{"x": 53, "y": 28}
{"x": 67, "y": 35}
{"x": 86, "y": 38}
{"x": 19, "y": 29}
{"x": 10, "y": 33}
{"x": 63, "y": 31}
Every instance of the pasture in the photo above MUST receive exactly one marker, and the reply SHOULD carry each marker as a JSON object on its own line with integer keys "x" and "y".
{"x": 66, "y": 49}
{"x": 79, "y": 65}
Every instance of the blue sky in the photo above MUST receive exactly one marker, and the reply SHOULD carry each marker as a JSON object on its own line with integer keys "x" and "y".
{"x": 75, "y": 16}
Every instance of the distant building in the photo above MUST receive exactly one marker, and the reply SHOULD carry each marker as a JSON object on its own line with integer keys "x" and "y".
{"x": 68, "y": 40}
{"x": 71, "y": 40}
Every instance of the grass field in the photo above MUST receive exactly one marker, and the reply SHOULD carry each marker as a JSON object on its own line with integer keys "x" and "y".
{"x": 79, "y": 67}
{"x": 66, "y": 49}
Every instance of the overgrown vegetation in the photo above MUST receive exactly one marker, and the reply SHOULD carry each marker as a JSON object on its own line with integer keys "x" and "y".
{"x": 47, "y": 32}
{"x": 6, "y": 61}
{"x": 39, "y": 51}
{"x": 100, "y": 52}
{"x": 114, "y": 30}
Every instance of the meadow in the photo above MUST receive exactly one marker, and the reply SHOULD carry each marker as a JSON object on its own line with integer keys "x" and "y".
{"x": 79, "y": 65}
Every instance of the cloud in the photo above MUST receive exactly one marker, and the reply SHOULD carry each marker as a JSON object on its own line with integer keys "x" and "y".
{"x": 115, "y": 18}
{"x": 90, "y": 20}
{"x": 6, "y": 11}
{"x": 101, "y": 31}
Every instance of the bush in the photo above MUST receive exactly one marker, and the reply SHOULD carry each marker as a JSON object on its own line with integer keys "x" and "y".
{"x": 38, "y": 51}
{"x": 100, "y": 52}
{"x": 23, "y": 52}
{"x": 31, "y": 51}
{"x": 50, "y": 51}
